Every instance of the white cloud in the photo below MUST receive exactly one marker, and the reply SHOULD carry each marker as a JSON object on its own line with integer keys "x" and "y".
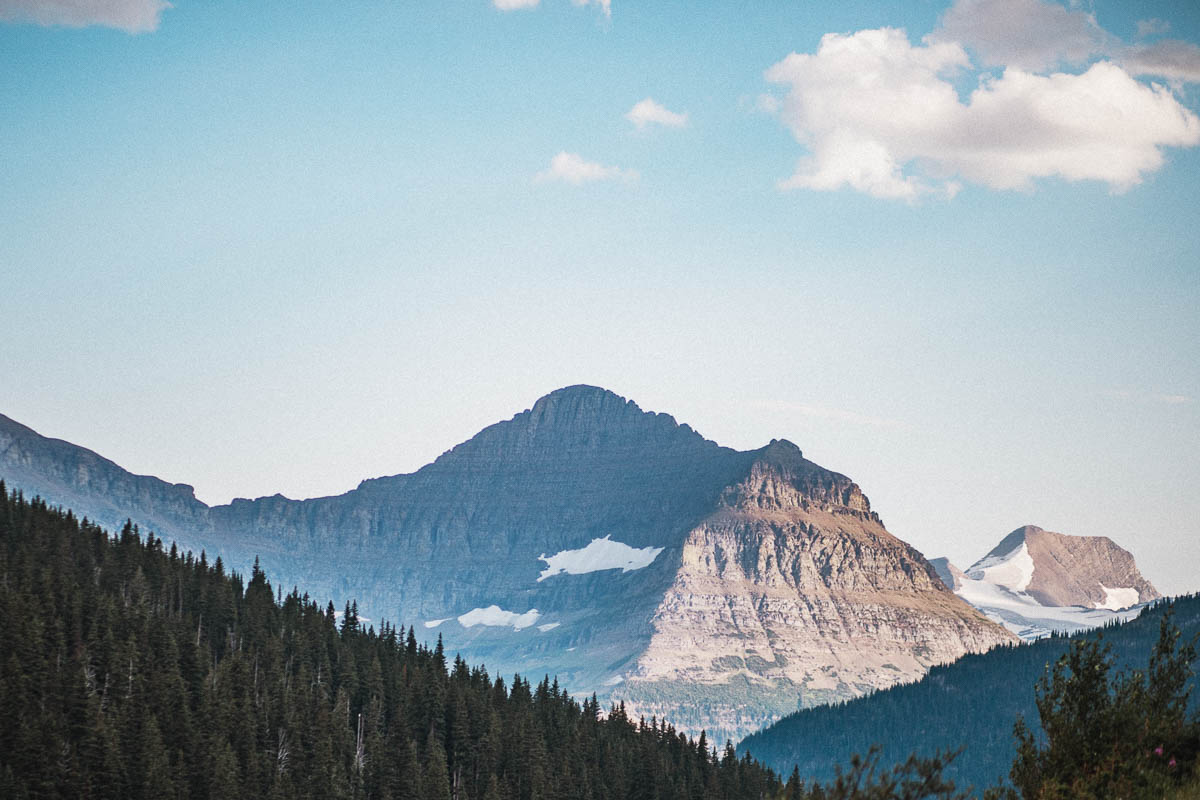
{"x": 882, "y": 116}
{"x": 131, "y": 16}
{"x": 1038, "y": 35}
{"x": 648, "y": 112}
{"x": 573, "y": 168}
{"x": 1029, "y": 34}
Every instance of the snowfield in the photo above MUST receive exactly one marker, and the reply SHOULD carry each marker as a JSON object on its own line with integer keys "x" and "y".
{"x": 996, "y": 586}
{"x": 1116, "y": 599}
{"x": 496, "y": 617}
{"x": 1031, "y": 620}
{"x": 1013, "y": 570}
{"x": 600, "y": 554}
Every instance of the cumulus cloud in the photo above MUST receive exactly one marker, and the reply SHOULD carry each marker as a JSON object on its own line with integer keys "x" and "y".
{"x": 131, "y": 16}
{"x": 1032, "y": 35}
{"x": 648, "y": 112}
{"x": 883, "y": 116}
{"x": 573, "y": 168}
{"x": 1039, "y": 35}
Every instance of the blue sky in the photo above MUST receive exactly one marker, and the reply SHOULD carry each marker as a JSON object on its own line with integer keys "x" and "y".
{"x": 262, "y": 247}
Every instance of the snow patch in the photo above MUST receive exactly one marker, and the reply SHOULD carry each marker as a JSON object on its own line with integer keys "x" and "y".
{"x": 549, "y": 626}
{"x": 496, "y": 617}
{"x": 433, "y": 623}
{"x": 600, "y": 554}
{"x": 1013, "y": 570}
{"x": 1117, "y": 599}
{"x": 614, "y": 680}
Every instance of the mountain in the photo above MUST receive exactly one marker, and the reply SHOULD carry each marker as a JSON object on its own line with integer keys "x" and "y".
{"x": 972, "y": 703}
{"x": 587, "y": 538}
{"x": 1036, "y": 582}
{"x": 151, "y": 675}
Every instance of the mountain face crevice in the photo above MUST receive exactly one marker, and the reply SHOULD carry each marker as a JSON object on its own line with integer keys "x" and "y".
{"x": 722, "y": 588}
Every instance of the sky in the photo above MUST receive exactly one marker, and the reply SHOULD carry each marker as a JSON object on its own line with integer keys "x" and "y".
{"x": 949, "y": 248}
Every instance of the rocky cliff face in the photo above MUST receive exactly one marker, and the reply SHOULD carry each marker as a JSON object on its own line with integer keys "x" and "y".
{"x": 792, "y": 593}
{"x": 589, "y": 539}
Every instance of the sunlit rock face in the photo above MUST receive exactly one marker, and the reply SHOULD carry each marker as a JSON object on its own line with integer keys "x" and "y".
{"x": 792, "y": 593}
{"x": 586, "y": 538}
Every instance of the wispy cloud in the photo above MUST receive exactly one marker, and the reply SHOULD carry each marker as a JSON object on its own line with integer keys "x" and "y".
{"x": 826, "y": 413}
{"x": 648, "y": 112}
{"x": 1152, "y": 27}
{"x": 131, "y": 16}
{"x": 573, "y": 168}
{"x": 512, "y": 5}
{"x": 604, "y": 5}
{"x": 883, "y": 116}
{"x": 1148, "y": 397}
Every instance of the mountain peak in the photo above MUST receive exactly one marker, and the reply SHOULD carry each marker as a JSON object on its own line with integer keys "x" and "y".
{"x": 582, "y": 401}
{"x": 1065, "y": 570}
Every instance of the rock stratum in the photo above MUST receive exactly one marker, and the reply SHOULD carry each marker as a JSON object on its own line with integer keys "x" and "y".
{"x": 616, "y": 548}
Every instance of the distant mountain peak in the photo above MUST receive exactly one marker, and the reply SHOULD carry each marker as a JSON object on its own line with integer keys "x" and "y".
{"x": 1012, "y": 541}
{"x": 1039, "y": 574}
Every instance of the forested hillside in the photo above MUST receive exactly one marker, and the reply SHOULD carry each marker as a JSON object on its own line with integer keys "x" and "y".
{"x": 972, "y": 703}
{"x": 131, "y": 672}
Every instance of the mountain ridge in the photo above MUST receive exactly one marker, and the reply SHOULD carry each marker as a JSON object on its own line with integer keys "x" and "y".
{"x": 763, "y": 557}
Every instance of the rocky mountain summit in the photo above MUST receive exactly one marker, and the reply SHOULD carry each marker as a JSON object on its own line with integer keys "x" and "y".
{"x": 1036, "y": 582}
{"x": 587, "y": 538}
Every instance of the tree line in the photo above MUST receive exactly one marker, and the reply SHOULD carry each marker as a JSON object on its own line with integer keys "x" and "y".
{"x": 131, "y": 670}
